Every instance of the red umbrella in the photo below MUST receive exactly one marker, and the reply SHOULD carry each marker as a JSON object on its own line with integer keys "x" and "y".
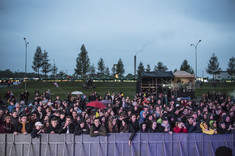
{"x": 96, "y": 104}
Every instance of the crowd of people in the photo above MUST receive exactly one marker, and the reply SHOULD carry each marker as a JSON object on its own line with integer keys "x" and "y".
{"x": 145, "y": 113}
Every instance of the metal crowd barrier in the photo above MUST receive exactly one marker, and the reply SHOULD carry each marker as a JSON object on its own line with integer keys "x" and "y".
{"x": 146, "y": 144}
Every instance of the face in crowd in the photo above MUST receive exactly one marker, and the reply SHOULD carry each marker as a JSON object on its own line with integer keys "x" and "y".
{"x": 97, "y": 122}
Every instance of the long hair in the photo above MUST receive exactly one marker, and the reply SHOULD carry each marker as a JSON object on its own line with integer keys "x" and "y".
{"x": 112, "y": 128}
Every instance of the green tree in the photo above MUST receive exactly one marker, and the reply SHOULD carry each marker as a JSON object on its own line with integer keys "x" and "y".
{"x": 213, "y": 66}
{"x": 114, "y": 70}
{"x": 140, "y": 69}
{"x": 46, "y": 66}
{"x": 37, "y": 60}
{"x": 54, "y": 70}
{"x": 101, "y": 66}
{"x": 160, "y": 67}
{"x": 148, "y": 69}
{"x": 82, "y": 62}
{"x": 186, "y": 67}
{"x": 231, "y": 67}
{"x": 120, "y": 68}
{"x": 107, "y": 72}
{"x": 92, "y": 70}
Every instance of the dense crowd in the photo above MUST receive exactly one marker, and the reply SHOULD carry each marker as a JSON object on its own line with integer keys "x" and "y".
{"x": 213, "y": 113}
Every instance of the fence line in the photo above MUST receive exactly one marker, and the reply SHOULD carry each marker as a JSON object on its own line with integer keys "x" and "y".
{"x": 146, "y": 144}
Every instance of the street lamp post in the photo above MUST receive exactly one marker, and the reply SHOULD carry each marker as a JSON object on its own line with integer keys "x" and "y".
{"x": 26, "y": 44}
{"x": 195, "y": 46}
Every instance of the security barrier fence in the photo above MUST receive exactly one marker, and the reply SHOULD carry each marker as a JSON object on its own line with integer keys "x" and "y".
{"x": 144, "y": 144}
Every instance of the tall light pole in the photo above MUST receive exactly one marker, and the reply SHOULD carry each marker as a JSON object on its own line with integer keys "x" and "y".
{"x": 26, "y": 43}
{"x": 195, "y": 46}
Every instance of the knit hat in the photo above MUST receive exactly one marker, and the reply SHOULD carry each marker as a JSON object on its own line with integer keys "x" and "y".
{"x": 38, "y": 123}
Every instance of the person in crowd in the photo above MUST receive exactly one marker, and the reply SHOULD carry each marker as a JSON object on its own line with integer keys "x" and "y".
{"x": 81, "y": 128}
{"x": 68, "y": 126}
{"x": 124, "y": 128}
{"x": 193, "y": 126}
{"x": 133, "y": 127}
{"x": 113, "y": 126}
{"x": 6, "y": 126}
{"x": 143, "y": 128}
{"x": 23, "y": 125}
{"x": 26, "y": 97}
{"x": 213, "y": 125}
{"x": 180, "y": 127}
{"x": 165, "y": 127}
{"x": 222, "y": 128}
{"x": 97, "y": 129}
{"x": 205, "y": 128}
{"x": 54, "y": 127}
{"x": 153, "y": 128}
{"x": 11, "y": 106}
{"x": 14, "y": 118}
{"x": 37, "y": 130}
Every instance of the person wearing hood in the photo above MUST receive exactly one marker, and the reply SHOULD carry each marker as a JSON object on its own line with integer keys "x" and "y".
{"x": 222, "y": 128}
{"x": 81, "y": 128}
{"x": 213, "y": 125}
{"x": 226, "y": 120}
{"x": 205, "y": 128}
{"x": 143, "y": 128}
{"x": 142, "y": 118}
{"x": 149, "y": 120}
{"x": 153, "y": 128}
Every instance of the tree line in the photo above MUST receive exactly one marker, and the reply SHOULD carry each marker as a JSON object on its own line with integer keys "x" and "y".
{"x": 212, "y": 68}
{"x": 41, "y": 63}
{"x": 83, "y": 68}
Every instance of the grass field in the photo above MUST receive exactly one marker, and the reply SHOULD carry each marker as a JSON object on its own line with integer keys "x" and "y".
{"x": 128, "y": 88}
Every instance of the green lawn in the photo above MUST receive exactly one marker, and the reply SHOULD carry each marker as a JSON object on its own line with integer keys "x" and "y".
{"x": 128, "y": 88}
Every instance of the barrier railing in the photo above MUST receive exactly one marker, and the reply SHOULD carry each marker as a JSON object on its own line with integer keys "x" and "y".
{"x": 146, "y": 144}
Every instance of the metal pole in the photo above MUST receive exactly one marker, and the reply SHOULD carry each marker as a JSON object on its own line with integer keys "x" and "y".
{"x": 195, "y": 46}
{"x": 26, "y": 43}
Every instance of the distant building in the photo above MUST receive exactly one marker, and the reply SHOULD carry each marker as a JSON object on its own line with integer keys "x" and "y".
{"x": 222, "y": 76}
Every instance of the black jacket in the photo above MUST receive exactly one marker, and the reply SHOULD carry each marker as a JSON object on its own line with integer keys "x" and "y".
{"x": 71, "y": 128}
{"x": 79, "y": 130}
{"x": 34, "y": 133}
{"x": 56, "y": 129}
{"x": 193, "y": 129}
{"x": 19, "y": 126}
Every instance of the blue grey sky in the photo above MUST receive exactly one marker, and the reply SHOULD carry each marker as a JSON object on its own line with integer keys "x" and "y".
{"x": 155, "y": 30}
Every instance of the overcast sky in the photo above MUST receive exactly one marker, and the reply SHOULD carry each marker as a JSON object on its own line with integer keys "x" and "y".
{"x": 155, "y": 30}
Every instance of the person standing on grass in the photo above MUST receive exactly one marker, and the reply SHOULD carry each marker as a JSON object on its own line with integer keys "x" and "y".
{"x": 26, "y": 97}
